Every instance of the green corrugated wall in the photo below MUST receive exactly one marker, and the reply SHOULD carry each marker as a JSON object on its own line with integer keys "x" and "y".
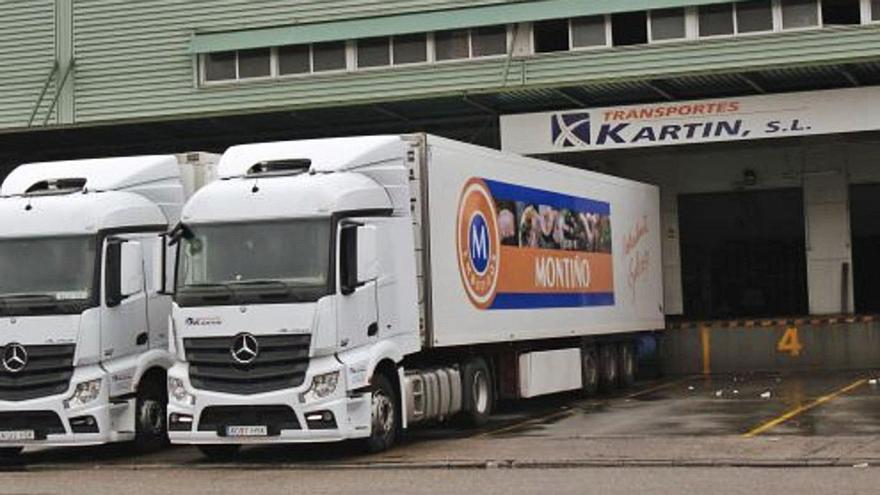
{"x": 133, "y": 60}
{"x": 27, "y": 51}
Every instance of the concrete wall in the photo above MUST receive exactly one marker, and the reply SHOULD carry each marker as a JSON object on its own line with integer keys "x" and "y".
{"x": 780, "y": 346}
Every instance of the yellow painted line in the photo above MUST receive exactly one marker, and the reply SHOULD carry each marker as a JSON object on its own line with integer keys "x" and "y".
{"x": 539, "y": 419}
{"x": 656, "y": 388}
{"x": 802, "y": 409}
{"x": 707, "y": 349}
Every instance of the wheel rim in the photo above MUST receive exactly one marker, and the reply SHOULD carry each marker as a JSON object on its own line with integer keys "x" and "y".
{"x": 611, "y": 366}
{"x": 383, "y": 413}
{"x": 151, "y": 417}
{"x": 480, "y": 391}
{"x": 628, "y": 362}
{"x": 592, "y": 370}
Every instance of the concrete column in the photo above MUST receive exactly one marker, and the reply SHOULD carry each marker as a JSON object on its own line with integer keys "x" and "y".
{"x": 828, "y": 247}
{"x": 64, "y": 54}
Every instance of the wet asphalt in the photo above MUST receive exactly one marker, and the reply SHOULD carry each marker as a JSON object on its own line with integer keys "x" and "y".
{"x": 800, "y": 419}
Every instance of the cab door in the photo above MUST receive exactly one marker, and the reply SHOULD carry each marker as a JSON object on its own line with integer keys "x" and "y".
{"x": 357, "y": 314}
{"x": 124, "y": 330}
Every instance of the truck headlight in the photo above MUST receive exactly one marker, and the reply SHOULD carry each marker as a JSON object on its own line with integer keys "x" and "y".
{"x": 84, "y": 393}
{"x": 177, "y": 390}
{"x": 322, "y": 386}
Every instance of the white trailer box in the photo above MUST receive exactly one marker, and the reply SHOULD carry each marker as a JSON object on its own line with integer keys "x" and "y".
{"x": 524, "y": 249}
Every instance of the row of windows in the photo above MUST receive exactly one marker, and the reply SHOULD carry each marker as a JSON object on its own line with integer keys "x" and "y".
{"x": 630, "y": 28}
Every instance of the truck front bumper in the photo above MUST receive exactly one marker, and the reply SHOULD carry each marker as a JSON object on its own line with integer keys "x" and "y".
{"x": 51, "y": 423}
{"x": 281, "y": 416}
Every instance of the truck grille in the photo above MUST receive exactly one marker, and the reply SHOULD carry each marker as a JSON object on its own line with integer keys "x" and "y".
{"x": 42, "y": 422}
{"x": 274, "y": 418}
{"x": 47, "y": 372}
{"x": 281, "y": 363}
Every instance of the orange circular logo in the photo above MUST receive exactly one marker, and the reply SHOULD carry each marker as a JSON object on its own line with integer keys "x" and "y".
{"x": 478, "y": 242}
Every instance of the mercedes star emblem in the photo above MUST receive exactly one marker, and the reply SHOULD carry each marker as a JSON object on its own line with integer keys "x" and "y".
{"x": 244, "y": 348}
{"x": 15, "y": 358}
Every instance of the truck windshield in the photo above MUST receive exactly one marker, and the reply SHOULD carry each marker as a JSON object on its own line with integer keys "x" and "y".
{"x": 46, "y": 274}
{"x": 258, "y": 262}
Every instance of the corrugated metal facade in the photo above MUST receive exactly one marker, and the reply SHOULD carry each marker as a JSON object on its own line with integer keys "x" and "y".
{"x": 133, "y": 60}
{"x": 27, "y": 36}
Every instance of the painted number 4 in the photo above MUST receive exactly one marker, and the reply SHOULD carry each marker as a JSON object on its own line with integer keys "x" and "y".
{"x": 790, "y": 343}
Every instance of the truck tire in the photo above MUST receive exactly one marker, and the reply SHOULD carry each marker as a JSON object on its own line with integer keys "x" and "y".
{"x": 590, "y": 370}
{"x": 10, "y": 453}
{"x": 627, "y": 363}
{"x": 477, "y": 393}
{"x": 219, "y": 452}
{"x": 151, "y": 426}
{"x": 385, "y": 420}
{"x": 608, "y": 366}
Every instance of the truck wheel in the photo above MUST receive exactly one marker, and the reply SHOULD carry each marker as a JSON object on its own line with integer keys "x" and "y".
{"x": 385, "y": 423}
{"x": 477, "y": 393}
{"x": 219, "y": 452}
{"x": 9, "y": 453}
{"x": 609, "y": 368}
{"x": 151, "y": 432}
{"x": 627, "y": 363}
{"x": 590, "y": 370}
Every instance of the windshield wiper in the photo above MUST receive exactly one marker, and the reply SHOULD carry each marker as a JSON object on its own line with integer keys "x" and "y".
{"x": 29, "y": 296}
{"x": 268, "y": 289}
{"x": 202, "y": 290}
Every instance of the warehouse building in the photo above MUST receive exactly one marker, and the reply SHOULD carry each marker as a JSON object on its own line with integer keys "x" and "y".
{"x": 758, "y": 119}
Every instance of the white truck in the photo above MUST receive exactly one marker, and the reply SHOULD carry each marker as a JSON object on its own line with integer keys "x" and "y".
{"x": 85, "y": 298}
{"x": 348, "y": 288}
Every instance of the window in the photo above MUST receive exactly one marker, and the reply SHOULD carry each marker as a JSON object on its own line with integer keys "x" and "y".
{"x": 590, "y": 31}
{"x": 255, "y": 63}
{"x": 667, "y": 24}
{"x": 374, "y": 52}
{"x": 629, "y": 28}
{"x": 716, "y": 19}
{"x": 875, "y": 10}
{"x": 294, "y": 59}
{"x": 220, "y": 66}
{"x": 754, "y": 16}
{"x": 410, "y": 49}
{"x": 328, "y": 56}
{"x": 450, "y": 45}
{"x": 841, "y": 12}
{"x": 799, "y": 13}
{"x": 551, "y": 36}
{"x": 487, "y": 41}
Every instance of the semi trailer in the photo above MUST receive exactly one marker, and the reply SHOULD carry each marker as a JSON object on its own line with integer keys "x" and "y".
{"x": 85, "y": 298}
{"x": 349, "y": 288}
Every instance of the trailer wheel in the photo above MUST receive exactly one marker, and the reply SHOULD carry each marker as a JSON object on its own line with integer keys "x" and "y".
{"x": 590, "y": 370}
{"x": 151, "y": 432}
{"x": 477, "y": 393}
{"x": 609, "y": 368}
{"x": 385, "y": 423}
{"x": 627, "y": 363}
{"x": 219, "y": 452}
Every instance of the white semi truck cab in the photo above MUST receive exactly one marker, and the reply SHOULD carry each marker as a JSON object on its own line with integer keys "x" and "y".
{"x": 85, "y": 283}
{"x": 346, "y": 288}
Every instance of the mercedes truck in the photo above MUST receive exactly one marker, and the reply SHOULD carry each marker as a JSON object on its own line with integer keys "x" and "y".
{"x": 85, "y": 298}
{"x": 349, "y": 288}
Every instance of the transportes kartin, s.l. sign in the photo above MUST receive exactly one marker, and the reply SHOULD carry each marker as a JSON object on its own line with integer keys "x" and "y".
{"x": 525, "y": 248}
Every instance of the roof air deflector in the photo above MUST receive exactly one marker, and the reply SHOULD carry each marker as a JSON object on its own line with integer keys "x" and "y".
{"x": 56, "y": 186}
{"x": 294, "y": 166}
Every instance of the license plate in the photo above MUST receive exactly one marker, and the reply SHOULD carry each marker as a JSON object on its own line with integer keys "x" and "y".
{"x": 247, "y": 431}
{"x": 16, "y": 436}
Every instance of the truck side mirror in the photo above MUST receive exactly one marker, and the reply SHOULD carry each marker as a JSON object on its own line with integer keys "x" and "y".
{"x": 124, "y": 271}
{"x": 348, "y": 266}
